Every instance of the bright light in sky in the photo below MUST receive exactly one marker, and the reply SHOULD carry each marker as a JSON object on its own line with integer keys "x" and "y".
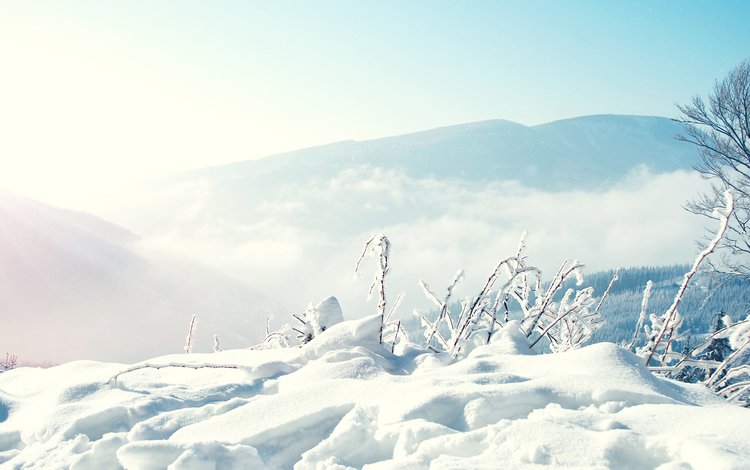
{"x": 92, "y": 93}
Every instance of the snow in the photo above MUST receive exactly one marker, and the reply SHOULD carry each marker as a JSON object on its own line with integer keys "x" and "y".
{"x": 344, "y": 401}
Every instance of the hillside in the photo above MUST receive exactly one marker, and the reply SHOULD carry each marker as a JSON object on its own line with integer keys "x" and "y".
{"x": 73, "y": 286}
{"x": 707, "y": 296}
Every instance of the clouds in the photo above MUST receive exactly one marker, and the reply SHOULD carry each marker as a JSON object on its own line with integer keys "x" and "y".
{"x": 300, "y": 242}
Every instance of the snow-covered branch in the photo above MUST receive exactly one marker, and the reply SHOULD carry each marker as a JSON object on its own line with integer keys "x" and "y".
{"x": 642, "y": 315}
{"x": 191, "y": 331}
{"x": 380, "y": 246}
{"x": 668, "y": 324}
{"x": 113, "y": 380}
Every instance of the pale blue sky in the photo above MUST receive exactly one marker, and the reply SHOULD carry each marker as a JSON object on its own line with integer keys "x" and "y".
{"x": 121, "y": 88}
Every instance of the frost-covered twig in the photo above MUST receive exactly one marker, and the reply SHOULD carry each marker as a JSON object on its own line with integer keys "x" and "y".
{"x": 217, "y": 345}
{"x": 113, "y": 379}
{"x": 723, "y": 215}
{"x": 584, "y": 334}
{"x": 443, "y": 315}
{"x": 471, "y": 311}
{"x": 734, "y": 372}
{"x": 278, "y": 337}
{"x": 671, "y": 336}
{"x": 434, "y": 333}
{"x": 394, "y": 307}
{"x": 566, "y": 269}
{"x": 503, "y": 296}
{"x": 736, "y": 390}
{"x": 11, "y": 360}
{"x": 573, "y": 321}
{"x": 312, "y": 322}
{"x": 380, "y": 246}
{"x": 609, "y": 288}
{"x": 687, "y": 359}
{"x": 582, "y": 300}
{"x": 388, "y": 325}
{"x": 642, "y": 315}
{"x": 395, "y": 336}
{"x": 305, "y": 330}
{"x": 191, "y": 331}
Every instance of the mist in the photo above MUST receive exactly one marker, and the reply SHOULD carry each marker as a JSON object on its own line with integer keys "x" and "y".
{"x": 301, "y": 244}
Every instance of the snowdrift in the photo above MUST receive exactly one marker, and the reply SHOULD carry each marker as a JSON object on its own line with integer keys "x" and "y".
{"x": 344, "y": 401}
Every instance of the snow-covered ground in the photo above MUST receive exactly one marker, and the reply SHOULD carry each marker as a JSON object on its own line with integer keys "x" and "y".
{"x": 344, "y": 401}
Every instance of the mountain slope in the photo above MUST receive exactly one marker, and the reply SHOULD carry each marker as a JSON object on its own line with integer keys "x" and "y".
{"x": 586, "y": 152}
{"x": 73, "y": 286}
{"x": 708, "y": 295}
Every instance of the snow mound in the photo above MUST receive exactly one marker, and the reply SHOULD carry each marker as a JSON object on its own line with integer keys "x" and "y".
{"x": 344, "y": 401}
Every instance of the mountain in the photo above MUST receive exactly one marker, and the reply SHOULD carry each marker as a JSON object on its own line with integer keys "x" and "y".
{"x": 292, "y": 224}
{"x": 321, "y": 186}
{"x": 585, "y": 152}
{"x": 73, "y": 286}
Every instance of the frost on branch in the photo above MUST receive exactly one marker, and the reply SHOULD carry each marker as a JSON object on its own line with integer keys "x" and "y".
{"x": 392, "y": 331}
{"x": 720, "y": 362}
{"x": 280, "y": 338}
{"x": 431, "y": 330}
{"x": 731, "y": 379}
{"x": 570, "y": 322}
{"x": 380, "y": 247}
{"x": 313, "y": 321}
{"x": 663, "y": 329}
{"x": 191, "y": 331}
{"x": 10, "y": 362}
{"x": 642, "y": 315}
{"x": 661, "y": 333}
{"x": 317, "y": 318}
{"x": 514, "y": 287}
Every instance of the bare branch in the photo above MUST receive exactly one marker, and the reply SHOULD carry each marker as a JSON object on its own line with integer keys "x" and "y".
{"x": 669, "y": 314}
{"x": 113, "y": 379}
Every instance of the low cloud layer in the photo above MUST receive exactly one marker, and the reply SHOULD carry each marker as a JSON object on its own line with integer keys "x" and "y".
{"x": 299, "y": 244}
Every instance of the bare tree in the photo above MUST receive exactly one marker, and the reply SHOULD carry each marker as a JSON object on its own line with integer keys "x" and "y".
{"x": 720, "y": 128}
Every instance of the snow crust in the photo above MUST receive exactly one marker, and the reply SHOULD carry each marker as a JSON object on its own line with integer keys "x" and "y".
{"x": 343, "y": 401}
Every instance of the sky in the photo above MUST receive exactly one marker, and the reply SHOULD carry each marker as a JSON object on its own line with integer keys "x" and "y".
{"x": 93, "y": 93}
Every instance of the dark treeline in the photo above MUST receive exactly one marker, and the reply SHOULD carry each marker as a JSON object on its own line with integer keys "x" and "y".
{"x": 708, "y": 294}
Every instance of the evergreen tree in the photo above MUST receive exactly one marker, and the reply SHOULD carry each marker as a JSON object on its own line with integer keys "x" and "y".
{"x": 718, "y": 350}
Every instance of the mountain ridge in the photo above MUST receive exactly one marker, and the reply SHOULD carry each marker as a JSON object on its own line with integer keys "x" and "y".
{"x": 588, "y": 151}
